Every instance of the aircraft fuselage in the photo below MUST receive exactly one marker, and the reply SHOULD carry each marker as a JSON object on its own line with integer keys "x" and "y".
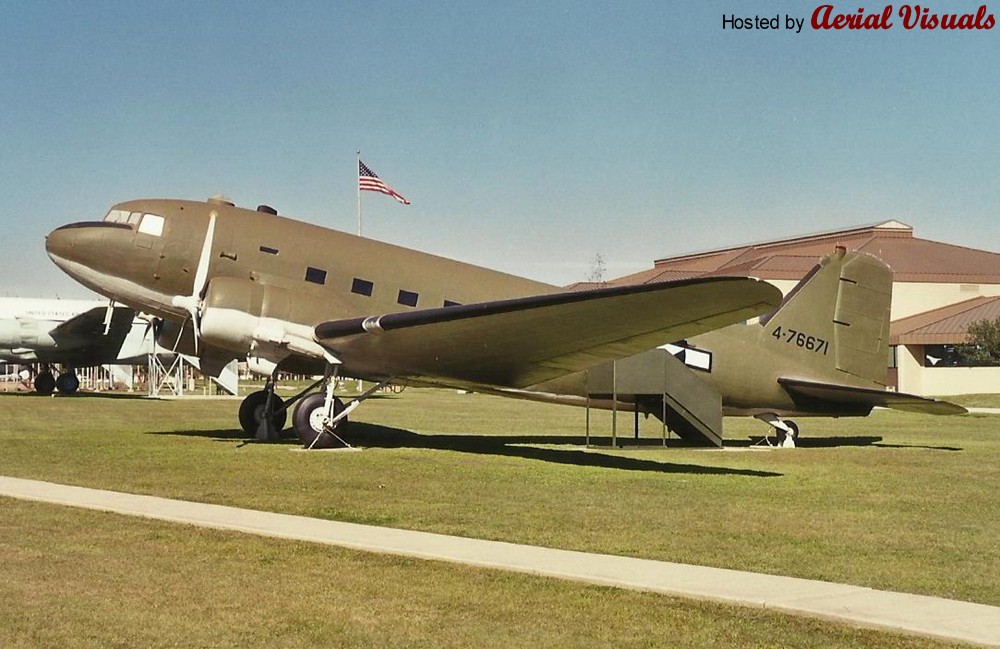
{"x": 283, "y": 274}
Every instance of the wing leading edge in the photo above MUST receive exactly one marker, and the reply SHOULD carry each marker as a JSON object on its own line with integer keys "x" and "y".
{"x": 524, "y": 341}
{"x": 851, "y": 395}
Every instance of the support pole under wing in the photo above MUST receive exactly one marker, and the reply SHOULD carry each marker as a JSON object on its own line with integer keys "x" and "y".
{"x": 655, "y": 378}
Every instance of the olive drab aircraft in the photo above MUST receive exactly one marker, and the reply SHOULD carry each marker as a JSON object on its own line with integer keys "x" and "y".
{"x": 284, "y": 295}
{"x": 823, "y": 352}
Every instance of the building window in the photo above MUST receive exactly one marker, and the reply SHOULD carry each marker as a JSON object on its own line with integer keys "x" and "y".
{"x": 953, "y": 356}
{"x": 407, "y": 298}
{"x": 315, "y": 275}
{"x": 362, "y": 287}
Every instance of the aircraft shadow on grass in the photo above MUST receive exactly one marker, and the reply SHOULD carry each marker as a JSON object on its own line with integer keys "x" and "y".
{"x": 524, "y": 446}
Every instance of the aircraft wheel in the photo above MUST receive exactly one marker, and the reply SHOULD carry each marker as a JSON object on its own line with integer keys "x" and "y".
{"x": 252, "y": 411}
{"x": 45, "y": 383}
{"x": 782, "y": 434}
{"x": 308, "y": 421}
{"x": 67, "y": 383}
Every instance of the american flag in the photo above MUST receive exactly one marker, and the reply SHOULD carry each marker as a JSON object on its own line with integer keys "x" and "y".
{"x": 368, "y": 181}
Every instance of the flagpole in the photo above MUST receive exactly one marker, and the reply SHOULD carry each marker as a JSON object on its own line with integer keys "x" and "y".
{"x": 357, "y": 170}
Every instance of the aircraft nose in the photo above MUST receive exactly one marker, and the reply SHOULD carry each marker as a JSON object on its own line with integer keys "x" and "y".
{"x": 59, "y": 243}
{"x": 62, "y": 243}
{"x": 77, "y": 246}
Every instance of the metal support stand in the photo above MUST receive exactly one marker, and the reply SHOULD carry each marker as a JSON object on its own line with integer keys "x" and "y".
{"x": 265, "y": 426}
{"x": 614, "y": 404}
{"x": 169, "y": 377}
{"x": 663, "y": 431}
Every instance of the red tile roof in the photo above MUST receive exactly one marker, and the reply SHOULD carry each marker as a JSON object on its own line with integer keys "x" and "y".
{"x": 911, "y": 259}
{"x": 947, "y": 325}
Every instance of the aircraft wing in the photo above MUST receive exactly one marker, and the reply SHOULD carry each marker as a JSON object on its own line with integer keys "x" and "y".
{"x": 82, "y": 338}
{"x": 524, "y": 341}
{"x": 85, "y": 325}
{"x": 847, "y": 394}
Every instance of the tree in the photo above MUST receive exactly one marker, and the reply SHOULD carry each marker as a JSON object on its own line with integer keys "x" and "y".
{"x": 982, "y": 346}
{"x": 597, "y": 270}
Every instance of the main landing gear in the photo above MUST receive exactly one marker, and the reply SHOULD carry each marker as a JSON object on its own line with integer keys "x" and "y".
{"x": 786, "y": 430}
{"x": 316, "y": 419}
{"x": 67, "y": 382}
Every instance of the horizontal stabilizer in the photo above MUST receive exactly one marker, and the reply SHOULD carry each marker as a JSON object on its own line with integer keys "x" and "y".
{"x": 853, "y": 395}
{"x": 524, "y": 341}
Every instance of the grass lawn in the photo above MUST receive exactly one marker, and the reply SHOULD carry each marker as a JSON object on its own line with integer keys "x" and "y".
{"x": 895, "y": 501}
{"x": 75, "y": 578}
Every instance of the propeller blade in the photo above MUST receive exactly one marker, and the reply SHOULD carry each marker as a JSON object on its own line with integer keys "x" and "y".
{"x": 192, "y": 303}
{"x": 201, "y": 275}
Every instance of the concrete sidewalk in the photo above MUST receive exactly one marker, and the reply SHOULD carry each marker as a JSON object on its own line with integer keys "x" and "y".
{"x": 917, "y": 614}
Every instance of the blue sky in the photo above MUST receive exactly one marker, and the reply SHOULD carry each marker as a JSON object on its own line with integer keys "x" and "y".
{"x": 529, "y": 136}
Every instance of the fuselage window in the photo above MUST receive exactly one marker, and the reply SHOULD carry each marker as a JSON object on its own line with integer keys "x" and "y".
{"x": 269, "y": 250}
{"x": 450, "y": 303}
{"x": 362, "y": 287}
{"x": 407, "y": 298}
{"x": 698, "y": 359}
{"x": 315, "y": 275}
{"x": 151, "y": 224}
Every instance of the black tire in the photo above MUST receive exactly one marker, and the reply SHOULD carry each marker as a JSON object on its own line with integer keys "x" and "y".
{"x": 45, "y": 383}
{"x": 252, "y": 410}
{"x": 67, "y": 383}
{"x": 307, "y": 421}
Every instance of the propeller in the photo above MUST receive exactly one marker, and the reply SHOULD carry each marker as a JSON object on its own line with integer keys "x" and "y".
{"x": 192, "y": 303}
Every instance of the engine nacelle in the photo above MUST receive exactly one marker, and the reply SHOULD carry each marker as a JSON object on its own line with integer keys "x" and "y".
{"x": 243, "y": 316}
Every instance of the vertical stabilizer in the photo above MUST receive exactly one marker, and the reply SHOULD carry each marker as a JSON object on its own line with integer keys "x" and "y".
{"x": 837, "y": 318}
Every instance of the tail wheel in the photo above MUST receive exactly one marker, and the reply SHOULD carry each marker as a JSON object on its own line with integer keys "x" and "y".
{"x": 67, "y": 383}
{"x": 783, "y": 434}
{"x": 308, "y": 421}
{"x": 45, "y": 383}
{"x": 252, "y": 412}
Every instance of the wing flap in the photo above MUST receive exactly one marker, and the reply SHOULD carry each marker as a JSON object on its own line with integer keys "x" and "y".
{"x": 853, "y": 395}
{"x": 524, "y": 341}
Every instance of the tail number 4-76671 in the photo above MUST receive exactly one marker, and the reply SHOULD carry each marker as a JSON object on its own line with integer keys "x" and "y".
{"x": 801, "y": 339}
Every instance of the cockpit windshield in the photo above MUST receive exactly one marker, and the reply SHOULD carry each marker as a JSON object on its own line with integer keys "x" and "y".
{"x": 147, "y": 223}
{"x": 121, "y": 216}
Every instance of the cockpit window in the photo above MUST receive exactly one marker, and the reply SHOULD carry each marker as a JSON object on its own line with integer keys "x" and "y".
{"x": 151, "y": 224}
{"x": 123, "y": 216}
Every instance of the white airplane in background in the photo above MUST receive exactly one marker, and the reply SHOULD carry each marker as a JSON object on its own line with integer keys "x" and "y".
{"x": 73, "y": 334}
